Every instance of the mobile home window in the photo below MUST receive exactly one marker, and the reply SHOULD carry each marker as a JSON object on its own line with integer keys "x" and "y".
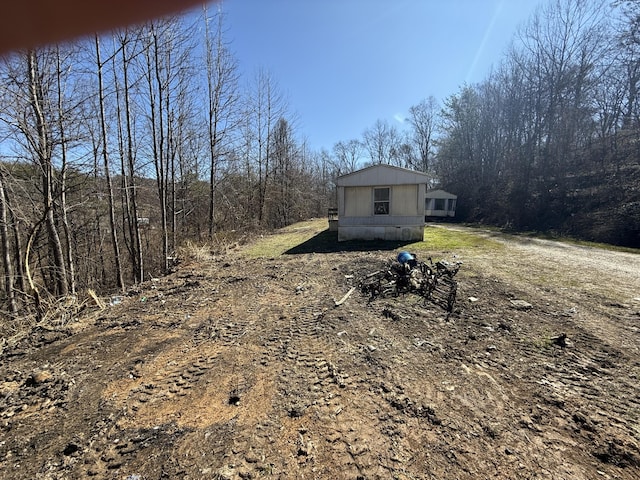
{"x": 439, "y": 204}
{"x": 381, "y": 200}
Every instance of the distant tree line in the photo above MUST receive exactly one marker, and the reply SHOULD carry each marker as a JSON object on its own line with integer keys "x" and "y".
{"x": 115, "y": 150}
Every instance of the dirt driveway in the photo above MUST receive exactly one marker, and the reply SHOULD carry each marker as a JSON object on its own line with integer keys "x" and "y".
{"x": 242, "y": 368}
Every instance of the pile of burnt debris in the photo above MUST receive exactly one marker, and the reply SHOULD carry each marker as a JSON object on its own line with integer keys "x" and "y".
{"x": 434, "y": 282}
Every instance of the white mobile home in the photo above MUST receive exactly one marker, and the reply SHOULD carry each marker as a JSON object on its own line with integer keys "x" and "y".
{"x": 438, "y": 203}
{"x": 381, "y": 202}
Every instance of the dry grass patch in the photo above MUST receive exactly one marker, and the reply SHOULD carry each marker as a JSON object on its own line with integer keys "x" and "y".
{"x": 276, "y": 243}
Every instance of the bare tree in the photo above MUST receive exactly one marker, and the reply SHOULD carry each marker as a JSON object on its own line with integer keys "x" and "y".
{"x": 629, "y": 58}
{"x": 563, "y": 42}
{"x": 63, "y": 175}
{"x": 42, "y": 145}
{"x": 382, "y": 143}
{"x": 348, "y": 155}
{"x": 265, "y": 106}
{"x": 9, "y": 280}
{"x": 423, "y": 120}
{"x": 222, "y": 91}
{"x": 127, "y": 158}
{"x": 286, "y": 169}
{"x": 457, "y": 149}
{"x": 107, "y": 170}
{"x": 168, "y": 71}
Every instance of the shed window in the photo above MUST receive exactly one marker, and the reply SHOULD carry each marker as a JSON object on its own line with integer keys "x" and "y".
{"x": 381, "y": 200}
{"x": 439, "y": 204}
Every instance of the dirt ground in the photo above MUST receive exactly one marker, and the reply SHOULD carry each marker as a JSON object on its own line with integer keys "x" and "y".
{"x": 237, "y": 368}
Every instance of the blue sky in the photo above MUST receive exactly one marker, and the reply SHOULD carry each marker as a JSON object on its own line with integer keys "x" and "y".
{"x": 343, "y": 64}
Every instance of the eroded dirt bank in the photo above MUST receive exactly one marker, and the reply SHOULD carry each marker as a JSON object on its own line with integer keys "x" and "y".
{"x": 238, "y": 368}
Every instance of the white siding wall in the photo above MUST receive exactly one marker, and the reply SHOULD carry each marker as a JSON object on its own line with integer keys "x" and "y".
{"x": 404, "y": 200}
{"x": 358, "y": 202}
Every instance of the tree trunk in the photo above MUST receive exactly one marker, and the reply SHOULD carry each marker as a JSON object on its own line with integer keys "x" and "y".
{"x": 44, "y": 158}
{"x": 157, "y": 134}
{"x": 63, "y": 182}
{"x": 105, "y": 157}
{"x": 137, "y": 240}
{"x": 6, "y": 253}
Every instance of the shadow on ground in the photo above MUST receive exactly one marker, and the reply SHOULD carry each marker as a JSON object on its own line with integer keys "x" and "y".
{"x": 327, "y": 242}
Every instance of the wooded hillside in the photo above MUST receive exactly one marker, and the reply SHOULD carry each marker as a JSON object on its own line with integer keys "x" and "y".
{"x": 549, "y": 141}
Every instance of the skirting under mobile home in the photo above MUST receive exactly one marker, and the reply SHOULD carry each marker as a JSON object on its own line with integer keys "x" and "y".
{"x": 368, "y": 232}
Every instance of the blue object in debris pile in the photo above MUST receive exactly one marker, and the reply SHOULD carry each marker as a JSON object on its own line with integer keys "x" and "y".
{"x": 404, "y": 257}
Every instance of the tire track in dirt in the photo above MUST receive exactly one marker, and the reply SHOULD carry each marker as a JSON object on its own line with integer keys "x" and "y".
{"x": 248, "y": 370}
{"x": 575, "y": 380}
{"x": 584, "y": 384}
{"x": 320, "y": 405}
{"x": 311, "y": 390}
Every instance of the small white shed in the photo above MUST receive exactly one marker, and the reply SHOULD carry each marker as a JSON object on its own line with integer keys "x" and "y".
{"x": 381, "y": 202}
{"x": 438, "y": 203}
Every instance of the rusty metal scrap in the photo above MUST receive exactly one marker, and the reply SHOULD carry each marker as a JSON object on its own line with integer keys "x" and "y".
{"x": 434, "y": 282}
